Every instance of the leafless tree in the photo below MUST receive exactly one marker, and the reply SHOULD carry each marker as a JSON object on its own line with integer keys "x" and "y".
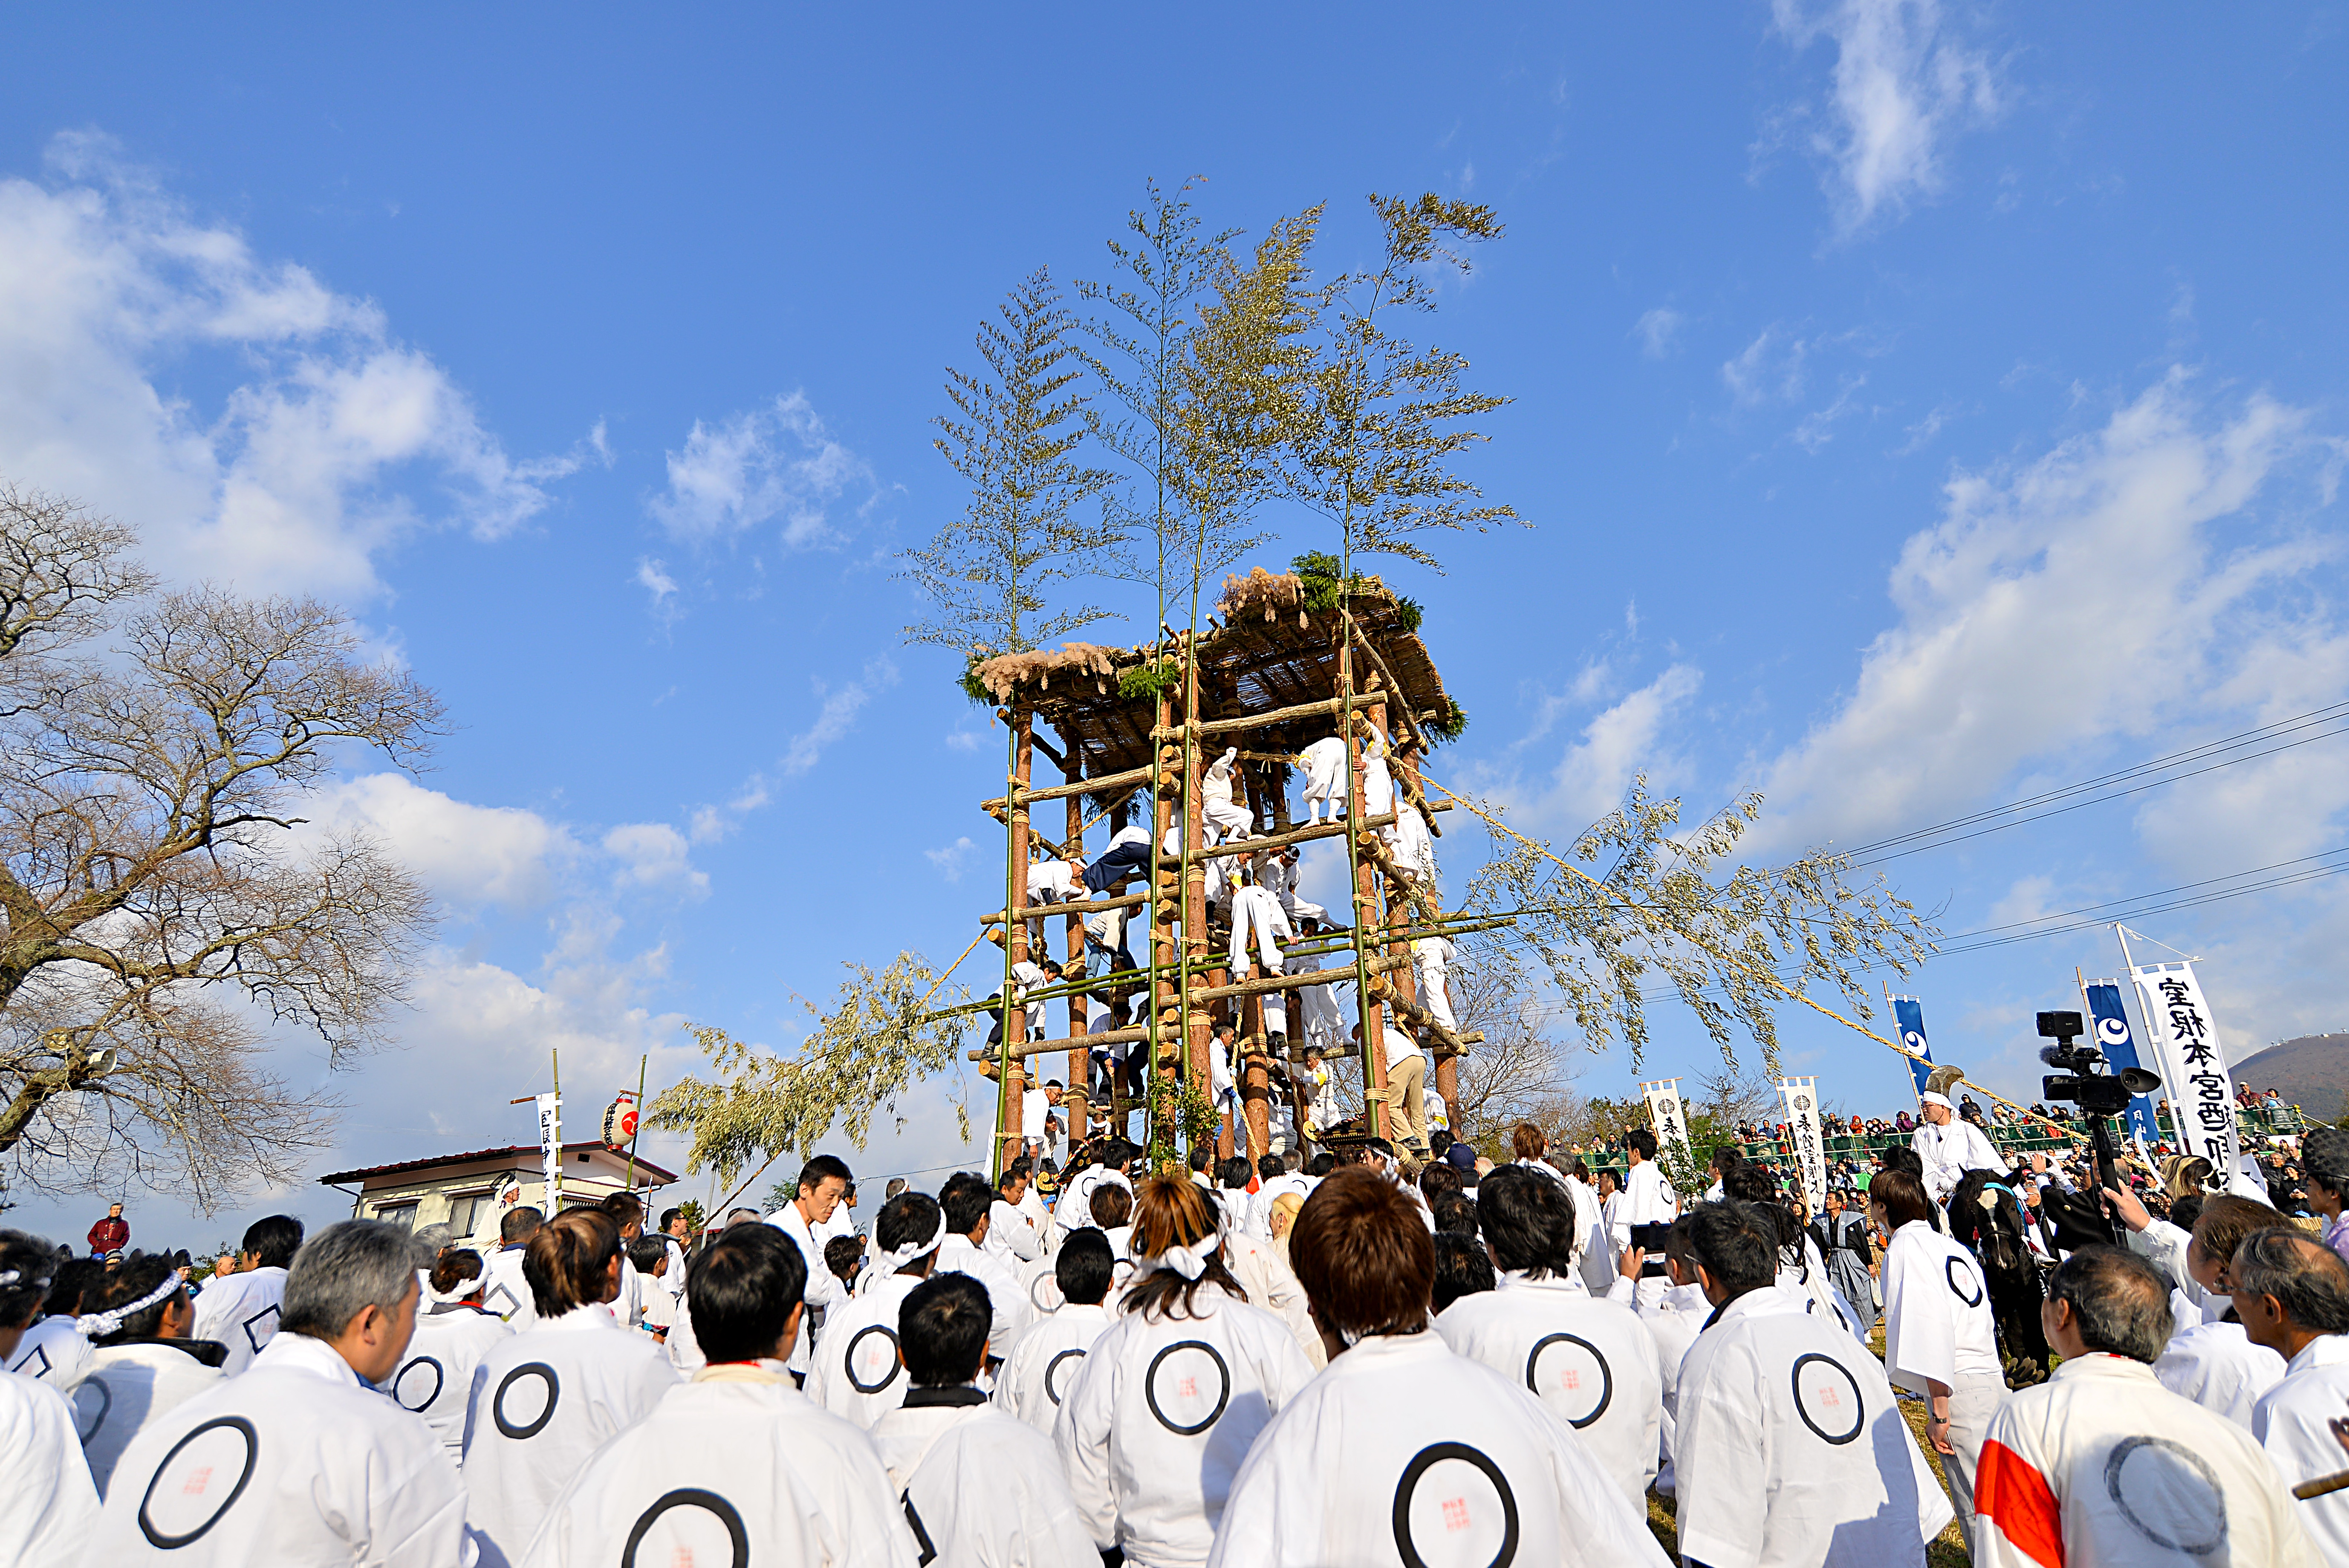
{"x": 1521, "y": 1071}
{"x": 161, "y": 916}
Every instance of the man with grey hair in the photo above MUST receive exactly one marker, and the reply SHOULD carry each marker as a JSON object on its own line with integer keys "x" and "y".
{"x": 299, "y": 1459}
{"x": 2292, "y": 1291}
{"x": 2101, "y": 1464}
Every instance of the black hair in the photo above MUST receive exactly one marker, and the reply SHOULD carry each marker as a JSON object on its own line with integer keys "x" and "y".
{"x": 966, "y": 1198}
{"x": 273, "y": 1241}
{"x": 743, "y": 1290}
{"x": 137, "y": 1274}
{"x": 1017, "y": 1170}
{"x": 942, "y": 1330}
{"x": 1529, "y": 1220}
{"x": 1899, "y": 1157}
{"x": 1117, "y": 1153}
{"x": 1320, "y": 1165}
{"x": 646, "y": 1252}
{"x": 1640, "y": 1138}
{"x": 519, "y": 1223}
{"x": 1737, "y": 1245}
{"x": 1270, "y": 1166}
{"x": 1456, "y": 1214}
{"x": 1234, "y": 1173}
{"x": 842, "y": 1254}
{"x": 1201, "y": 1153}
{"x": 813, "y": 1175}
{"x": 76, "y": 1285}
{"x": 907, "y": 1218}
{"x": 1462, "y": 1267}
{"x": 1085, "y": 1267}
{"x": 669, "y": 1217}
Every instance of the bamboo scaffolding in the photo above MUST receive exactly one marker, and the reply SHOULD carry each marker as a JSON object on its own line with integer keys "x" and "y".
{"x": 1204, "y": 994}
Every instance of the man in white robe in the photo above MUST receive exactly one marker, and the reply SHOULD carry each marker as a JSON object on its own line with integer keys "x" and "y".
{"x": 1319, "y": 1007}
{"x": 2102, "y": 1467}
{"x": 1591, "y": 1363}
{"x": 1044, "y": 1362}
{"x": 1015, "y": 1231}
{"x": 242, "y": 1311}
{"x": 143, "y": 1364}
{"x": 2292, "y": 1294}
{"x": 1402, "y": 1448}
{"x": 823, "y": 1182}
{"x": 1228, "y": 817}
{"x": 1431, "y": 958}
{"x": 1673, "y": 1322}
{"x": 1289, "y": 1178}
{"x": 1324, "y": 763}
{"x": 1073, "y": 1208}
{"x": 1790, "y": 1451}
{"x": 1941, "y": 1339}
{"x": 1648, "y": 1200}
{"x": 54, "y": 1350}
{"x": 736, "y": 1465}
{"x": 1259, "y": 925}
{"x": 1949, "y": 1145}
{"x": 1415, "y": 846}
{"x": 857, "y": 1373}
{"x": 47, "y": 1504}
{"x": 299, "y": 1459}
{"x": 504, "y": 1291}
{"x": 979, "y": 1486}
{"x": 967, "y": 1198}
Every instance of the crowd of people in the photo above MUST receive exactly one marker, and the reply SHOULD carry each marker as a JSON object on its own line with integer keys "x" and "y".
{"x": 1348, "y": 1358}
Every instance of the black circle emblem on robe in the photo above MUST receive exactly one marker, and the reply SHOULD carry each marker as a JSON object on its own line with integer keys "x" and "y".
{"x": 693, "y": 1497}
{"x": 86, "y": 1420}
{"x": 2169, "y": 1494}
{"x": 1469, "y": 1497}
{"x": 1052, "y": 1373}
{"x": 1826, "y": 1395}
{"x": 1180, "y": 1387}
{"x": 506, "y": 1424}
{"x": 1578, "y": 1375}
{"x": 1962, "y": 1283}
{"x": 190, "y": 1479}
{"x": 888, "y": 1373}
{"x": 404, "y": 1387}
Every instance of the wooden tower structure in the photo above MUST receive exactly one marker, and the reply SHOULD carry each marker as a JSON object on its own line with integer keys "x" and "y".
{"x": 1134, "y": 728}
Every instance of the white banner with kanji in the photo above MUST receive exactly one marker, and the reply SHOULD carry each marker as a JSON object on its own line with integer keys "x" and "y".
{"x": 1801, "y": 1096}
{"x": 1664, "y": 1114}
{"x": 2195, "y": 1075}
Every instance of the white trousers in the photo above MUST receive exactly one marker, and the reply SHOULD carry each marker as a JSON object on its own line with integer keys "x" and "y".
{"x": 1254, "y": 915}
{"x": 1432, "y": 993}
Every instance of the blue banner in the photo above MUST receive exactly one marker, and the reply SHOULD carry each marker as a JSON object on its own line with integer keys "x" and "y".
{"x": 1909, "y": 1014}
{"x": 2113, "y": 1038}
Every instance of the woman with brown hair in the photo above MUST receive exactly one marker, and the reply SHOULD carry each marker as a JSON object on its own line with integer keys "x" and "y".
{"x": 1163, "y": 1412}
{"x": 543, "y": 1401}
{"x": 1402, "y": 1448}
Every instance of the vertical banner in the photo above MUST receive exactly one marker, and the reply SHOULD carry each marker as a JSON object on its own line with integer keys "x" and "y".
{"x": 2192, "y": 1063}
{"x": 550, "y": 1150}
{"x": 1664, "y": 1114}
{"x": 2119, "y": 1046}
{"x": 1801, "y": 1096}
{"x": 1908, "y": 1013}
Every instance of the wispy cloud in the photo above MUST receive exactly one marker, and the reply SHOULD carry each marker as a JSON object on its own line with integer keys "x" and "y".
{"x": 836, "y": 718}
{"x": 1769, "y": 369}
{"x": 952, "y": 860}
{"x": 1658, "y": 331}
{"x": 774, "y": 462}
{"x": 1904, "y": 82}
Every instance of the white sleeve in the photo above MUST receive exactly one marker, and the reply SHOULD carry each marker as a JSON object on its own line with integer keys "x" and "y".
{"x": 1080, "y": 1434}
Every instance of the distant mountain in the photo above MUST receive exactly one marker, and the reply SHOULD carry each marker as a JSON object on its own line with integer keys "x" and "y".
{"x": 2312, "y": 1071}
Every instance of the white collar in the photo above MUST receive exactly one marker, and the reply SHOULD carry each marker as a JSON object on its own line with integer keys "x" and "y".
{"x": 587, "y": 1314}
{"x": 301, "y": 1352}
{"x": 2326, "y": 1350}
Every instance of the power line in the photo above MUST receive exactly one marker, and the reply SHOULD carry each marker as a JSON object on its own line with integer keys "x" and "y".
{"x": 2100, "y": 790}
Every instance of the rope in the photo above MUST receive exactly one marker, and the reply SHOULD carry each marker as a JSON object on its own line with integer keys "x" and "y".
{"x": 1764, "y": 975}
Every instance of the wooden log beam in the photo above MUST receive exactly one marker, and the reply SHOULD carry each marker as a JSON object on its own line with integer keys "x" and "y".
{"x": 1081, "y": 908}
{"x": 1199, "y": 993}
{"x": 1259, "y": 721}
{"x": 1103, "y": 785}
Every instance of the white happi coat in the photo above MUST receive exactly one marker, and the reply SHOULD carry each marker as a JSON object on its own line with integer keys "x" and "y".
{"x": 1647, "y": 1198}
{"x": 295, "y": 1461}
{"x": 2102, "y": 1467}
{"x": 1673, "y": 1321}
{"x": 1043, "y": 1366}
{"x": 1402, "y": 1438}
{"x": 824, "y": 1290}
{"x": 128, "y": 1388}
{"x": 1413, "y": 846}
{"x": 47, "y": 1504}
{"x": 1592, "y": 1364}
{"x": 2216, "y": 1366}
{"x": 434, "y": 1380}
{"x": 1004, "y": 1295}
{"x": 1161, "y": 1417}
{"x": 1272, "y": 1284}
{"x": 2290, "y": 1422}
{"x": 1318, "y": 1006}
{"x": 1013, "y": 1236}
{"x": 1260, "y": 1215}
{"x": 1791, "y": 1452}
{"x": 1257, "y": 920}
{"x": 1432, "y": 956}
{"x": 241, "y": 1311}
{"x": 542, "y": 1402}
{"x": 736, "y": 1449}
{"x": 52, "y": 1351}
{"x": 1594, "y": 1258}
{"x": 981, "y": 1489}
{"x": 1073, "y": 1209}
{"x": 1937, "y": 1313}
{"x": 1949, "y": 1151}
{"x": 505, "y": 1292}
{"x": 857, "y": 1375}
{"x": 1325, "y": 770}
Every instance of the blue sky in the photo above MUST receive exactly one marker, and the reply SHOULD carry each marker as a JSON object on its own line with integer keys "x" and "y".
{"x": 1918, "y": 406}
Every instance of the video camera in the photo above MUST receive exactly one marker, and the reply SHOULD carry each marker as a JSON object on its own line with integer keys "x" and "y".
{"x": 2095, "y": 1093}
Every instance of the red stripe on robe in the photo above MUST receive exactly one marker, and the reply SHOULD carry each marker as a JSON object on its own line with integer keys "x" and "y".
{"x": 2018, "y": 1501}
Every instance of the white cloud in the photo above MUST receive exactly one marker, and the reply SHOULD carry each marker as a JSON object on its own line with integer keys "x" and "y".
{"x": 1818, "y": 427}
{"x": 962, "y": 741}
{"x": 2059, "y": 602}
{"x": 836, "y": 718}
{"x": 1620, "y": 742}
{"x": 653, "y": 854}
{"x": 465, "y": 854}
{"x": 952, "y": 860}
{"x": 333, "y": 442}
{"x": 1903, "y": 84}
{"x": 778, "y": 461}
{"x": 653, "y": 577}
{"x": 1655, "y": 331}
{"x": 1769, "y": 369}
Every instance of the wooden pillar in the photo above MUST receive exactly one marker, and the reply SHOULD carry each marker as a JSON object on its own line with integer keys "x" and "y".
{"x": 1012, "y": 1091}
{"x": 1446, "y": 1067}
{"x": 1198, "y": 1038}
{"x": 1080, "y": 1078}
{"x": 1369, "y": 1017}
{"x": 1252, "y": 1069}
{"x": 1165, "y": 904}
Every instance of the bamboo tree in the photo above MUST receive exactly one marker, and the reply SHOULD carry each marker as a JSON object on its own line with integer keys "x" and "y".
{"x": 1013, "y": 436}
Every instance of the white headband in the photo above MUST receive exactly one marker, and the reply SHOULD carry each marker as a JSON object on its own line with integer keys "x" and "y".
{"x": 1190, "y": 1262}
{"x": 465, "y": 1290}
{"x": 1929, "y": 1098}
{"x": 98, "y": 1325}
{"x": 897, "y": 1258}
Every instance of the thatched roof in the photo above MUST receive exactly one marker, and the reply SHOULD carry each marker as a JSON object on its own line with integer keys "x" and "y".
{"x": 1269, "y": 650}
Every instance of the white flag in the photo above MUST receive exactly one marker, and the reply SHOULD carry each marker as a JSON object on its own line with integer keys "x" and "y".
{"x": 550, "y": 1150}
{"x": 1802, "y": 1098}
{"x": 2195, "y": 1074}
{"x": 1665, "y": 1115}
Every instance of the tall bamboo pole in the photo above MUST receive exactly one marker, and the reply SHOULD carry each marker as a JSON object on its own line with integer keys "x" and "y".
{"x": 1165, "y": 905}
{"x": 1011, "y": 1082}
{"x": 1080, "y": 1080}
{"x": 1198, "y": 1041}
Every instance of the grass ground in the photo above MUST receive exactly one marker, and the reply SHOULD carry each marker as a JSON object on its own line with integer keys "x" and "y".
{"x": 1948, "y": 1551}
